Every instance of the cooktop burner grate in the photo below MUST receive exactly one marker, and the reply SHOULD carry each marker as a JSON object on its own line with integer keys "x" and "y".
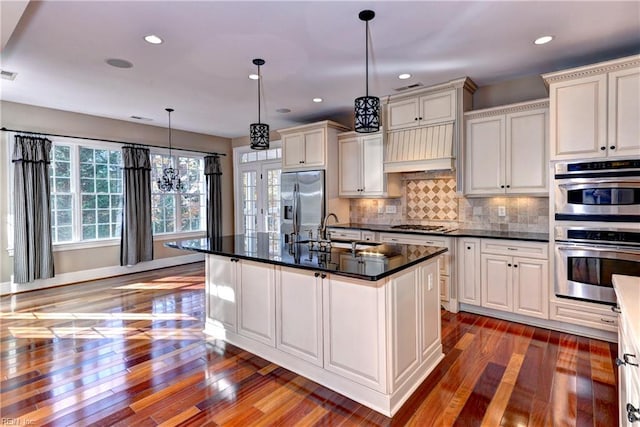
{"x": 422, "y": 227}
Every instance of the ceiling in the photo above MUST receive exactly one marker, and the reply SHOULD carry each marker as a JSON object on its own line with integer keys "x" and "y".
{"x": 312, "y": 49}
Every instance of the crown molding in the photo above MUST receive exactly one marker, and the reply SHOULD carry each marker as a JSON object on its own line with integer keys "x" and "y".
{"x": 508, "y": 109}
{"x": 593, "y": 69}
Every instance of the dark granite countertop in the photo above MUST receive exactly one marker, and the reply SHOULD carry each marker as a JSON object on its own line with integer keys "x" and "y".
{"x": 462, "y": 232}
{"x": 373, "y": 263}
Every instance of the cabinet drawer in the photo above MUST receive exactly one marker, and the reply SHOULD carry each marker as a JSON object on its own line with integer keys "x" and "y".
{"x": 344, "y": 234}
{"x": 582, "y": 315}
{"x": 414, "y": 239}
{"x": 515, "y": 248}
{"x": 369, "y": 236}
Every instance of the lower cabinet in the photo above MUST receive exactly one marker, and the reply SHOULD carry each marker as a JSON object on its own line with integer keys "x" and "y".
{"x": 299, "y": 314}
{"x": 513, "y": 275}
{"x": 221, "y": 291}
{"x": 256, "y": 301}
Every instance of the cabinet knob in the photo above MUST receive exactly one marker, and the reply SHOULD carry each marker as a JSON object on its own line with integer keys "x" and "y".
{"x": 324, "y": 276}
{"x": 508, "y": 265}
{"x": 419, "y": 118}
{"x": 608, "y": 321}
{"x": 603, "y": 148}
{"x": 613, "y": 147}
{"x": 416, "y": 119}
{"x": 616, "y": 309}
{"x": 316, "y": 274}
{"x": 502, "y": 186}
{"x": 633, "y": 413}
{"x": 508, "y": 186}
{"x": 469, "y": 247}
{"x": 515, "y": 265}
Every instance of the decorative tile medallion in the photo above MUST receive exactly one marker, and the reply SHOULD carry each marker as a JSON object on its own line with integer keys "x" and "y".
{"x": 433, "y": 199}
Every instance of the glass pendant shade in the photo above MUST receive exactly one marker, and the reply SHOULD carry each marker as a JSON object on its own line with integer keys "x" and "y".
{"x": 259, "y": 136}
{"x": 367, "y": 108}
{"x": 170, "y": 180}
{"x": 259, "y": 132}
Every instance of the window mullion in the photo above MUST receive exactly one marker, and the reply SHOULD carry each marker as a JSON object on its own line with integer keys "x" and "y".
{"x": 76, "y": 218}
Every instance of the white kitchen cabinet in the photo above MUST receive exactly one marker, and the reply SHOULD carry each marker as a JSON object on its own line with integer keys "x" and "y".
{"x": 594, "y": 110}
{"x": 255, "y": 283}
{"x": 361, "y": 161}
{"x": 506, "y": 150}
{"x": 299, "y": 310}
{"x": 422, "y": 110}
{"x": 468, "y": 263}
{"x": 221, "y": 291}
{"x": 310, "y": 146}
{"x": 344, "y": 233}
{"x": 514, "y": 277}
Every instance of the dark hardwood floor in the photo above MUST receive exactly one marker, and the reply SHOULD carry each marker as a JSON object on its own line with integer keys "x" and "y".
{"x": 129, "y": 351}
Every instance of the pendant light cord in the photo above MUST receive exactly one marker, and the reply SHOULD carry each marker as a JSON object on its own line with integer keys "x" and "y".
{"x": 259, "y": 78}
{"x": 366, "y": 55}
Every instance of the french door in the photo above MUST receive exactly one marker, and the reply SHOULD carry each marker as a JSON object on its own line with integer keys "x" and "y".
{"x": 258, "y": 197}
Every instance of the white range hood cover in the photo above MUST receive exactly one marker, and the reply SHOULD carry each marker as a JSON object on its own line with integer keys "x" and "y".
{"x": 420, "y": 149}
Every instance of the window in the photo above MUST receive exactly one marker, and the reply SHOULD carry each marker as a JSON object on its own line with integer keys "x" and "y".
{"x": 178, "y": 212}
{"x": 86, "y": 184}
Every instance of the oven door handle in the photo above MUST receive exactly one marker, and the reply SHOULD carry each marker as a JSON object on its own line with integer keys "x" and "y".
{"x": 601, "y": 249}
{"x": 604, "y": 182}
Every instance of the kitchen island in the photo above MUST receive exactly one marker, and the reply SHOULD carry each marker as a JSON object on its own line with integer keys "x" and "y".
{"x": 363, "y": 321}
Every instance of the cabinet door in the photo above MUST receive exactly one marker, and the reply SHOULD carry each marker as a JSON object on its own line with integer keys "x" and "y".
{"x": 314, "y": 148}
{"x": 624, "y": 113}
{"x": 354, "y": 331}
{"x": 221, "y": 291}
{"x": 402, "y": 114}
{"x": 292, "y": 150}
{"x": 496, "y": 282}
{"x": 531, "y": 290}
{"x": 299, "y": 308}
{"x": 256, "y": 308}
{"x": 469, "y": 271}
{"x": 350, "y": 158}
{"x": 578, "y": 114}
{"x": 485, "y": 150}
{"x": 405, "y": 303}
{"x": 437, "y": 108}
{"x": 371, "y": 165}
{"x": 526, "y": 155}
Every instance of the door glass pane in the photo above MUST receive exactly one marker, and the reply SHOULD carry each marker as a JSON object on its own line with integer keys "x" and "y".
{"x": 272, "y": 211}
{"x": 249, "y": 202}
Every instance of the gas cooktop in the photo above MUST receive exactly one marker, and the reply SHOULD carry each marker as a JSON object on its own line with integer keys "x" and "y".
{"x": 418, "y": 227}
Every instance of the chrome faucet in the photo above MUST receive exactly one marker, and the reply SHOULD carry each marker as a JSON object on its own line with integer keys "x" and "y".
{"x": 323, "y": 225}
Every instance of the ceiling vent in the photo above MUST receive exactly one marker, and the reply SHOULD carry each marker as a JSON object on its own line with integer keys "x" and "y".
{"x": 8, "y": 75}
{"x": 144, "y": 119}
{"x": 411, "y": 86}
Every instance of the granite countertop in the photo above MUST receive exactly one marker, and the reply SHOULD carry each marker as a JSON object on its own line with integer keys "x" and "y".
{"x": 462, "y": 232}
{"x": 373, "y": 263}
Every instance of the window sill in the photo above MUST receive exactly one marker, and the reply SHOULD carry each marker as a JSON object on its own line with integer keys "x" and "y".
{"x": 73, "y": 246}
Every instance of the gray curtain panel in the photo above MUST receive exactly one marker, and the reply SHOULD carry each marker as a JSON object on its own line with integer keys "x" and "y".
{"x": 136, "y": 244}
{"x": 213, "y": 173}
{"x": 33, "y": 250}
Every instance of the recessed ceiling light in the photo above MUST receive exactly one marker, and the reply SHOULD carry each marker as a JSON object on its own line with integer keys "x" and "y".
{"x": 543, "y": 40}
{"x": 119, "y": 63}
{"x": 404, "y": 76}
{"x": 153, "y": 39}
{"x": 283, "y": 110}
{"x": 254, "y": 76}
{"x": 317, "y": 99}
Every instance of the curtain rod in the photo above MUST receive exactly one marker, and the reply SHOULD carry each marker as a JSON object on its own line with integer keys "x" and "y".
{"x": 109, "y": 140}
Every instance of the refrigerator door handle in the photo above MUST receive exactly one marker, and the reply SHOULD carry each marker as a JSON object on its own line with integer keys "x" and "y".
{"x": 296, "y": 196}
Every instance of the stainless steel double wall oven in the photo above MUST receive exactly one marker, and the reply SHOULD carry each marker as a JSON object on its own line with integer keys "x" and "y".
{"x": 597, "y": 227}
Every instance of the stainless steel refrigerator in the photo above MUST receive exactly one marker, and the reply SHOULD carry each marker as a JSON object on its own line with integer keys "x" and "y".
{"x": 303, "y": 203}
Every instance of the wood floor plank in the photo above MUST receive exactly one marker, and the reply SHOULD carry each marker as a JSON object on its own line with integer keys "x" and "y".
{"x": 130, "y": 351}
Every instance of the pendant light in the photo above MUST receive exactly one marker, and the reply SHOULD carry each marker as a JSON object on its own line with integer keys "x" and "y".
{"x": 367, "y": 111}
{"x": 259, "y": 132}
{"x": 170, "y": 181}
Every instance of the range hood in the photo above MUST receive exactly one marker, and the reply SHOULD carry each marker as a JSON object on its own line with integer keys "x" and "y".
{"x": 420, "y": 149}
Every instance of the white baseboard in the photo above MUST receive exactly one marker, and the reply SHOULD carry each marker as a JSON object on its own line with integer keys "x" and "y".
{"x": 542, "y": 323}
{"x": 8, "y": 288}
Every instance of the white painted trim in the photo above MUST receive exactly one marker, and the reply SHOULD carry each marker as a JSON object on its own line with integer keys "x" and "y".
{"x": 542, "y": 323}
{"x": 8, "y": 288}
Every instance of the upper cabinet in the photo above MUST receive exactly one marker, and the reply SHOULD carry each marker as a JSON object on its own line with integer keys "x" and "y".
{"x": 422, "y": 110}
{"x": 361, "y": 167}
{"x": 506, "y": 150}
{"x": 595, "y": 110}
{"x": 310, "y": 146}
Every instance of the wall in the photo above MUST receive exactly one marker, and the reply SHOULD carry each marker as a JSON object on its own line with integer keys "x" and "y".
{"x": 37, "y": 119}
{"x": 430, "y": 198}
{"x": 510, "y": 92}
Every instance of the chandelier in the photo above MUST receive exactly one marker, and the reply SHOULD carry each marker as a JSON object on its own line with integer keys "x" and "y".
{"x": 259, "y": 132}
{"x": 170, "y": 181}
{"x": 367, "y": 108}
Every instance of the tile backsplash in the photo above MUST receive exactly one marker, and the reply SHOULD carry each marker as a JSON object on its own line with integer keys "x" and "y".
{"x": 431, "y": 198}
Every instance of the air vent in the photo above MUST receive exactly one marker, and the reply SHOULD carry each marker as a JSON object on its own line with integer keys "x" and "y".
{"x": 8, "y": 75}
{"x": 411, "y": 86}
{"x": 144, "y": 119}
